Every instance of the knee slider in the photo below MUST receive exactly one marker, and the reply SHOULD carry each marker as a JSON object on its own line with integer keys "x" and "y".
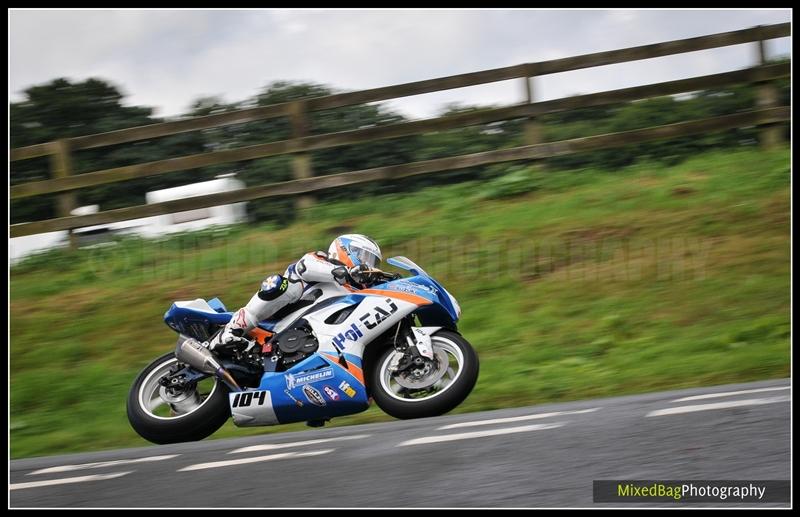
{"x": 273, "y": 287}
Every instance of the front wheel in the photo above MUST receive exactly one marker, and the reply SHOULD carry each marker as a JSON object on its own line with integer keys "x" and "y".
{"x": 429, "y": 389}
{"x": 171, "y": 416}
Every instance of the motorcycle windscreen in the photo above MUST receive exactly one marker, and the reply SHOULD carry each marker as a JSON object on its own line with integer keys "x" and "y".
{"x": 407, "y": 264}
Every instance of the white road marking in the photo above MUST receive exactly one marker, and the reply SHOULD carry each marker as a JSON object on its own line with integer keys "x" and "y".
{"x": 65, "y": 481}
{"x": 516, "y": 418}
{"x": 279, "y": 456}
{"x": 479, "y": 434}
{"x": 273, "y": 446}
{"x": 717, "y": 405}
{"x": 728, "y": 394}
{"x": 102, "y": 464}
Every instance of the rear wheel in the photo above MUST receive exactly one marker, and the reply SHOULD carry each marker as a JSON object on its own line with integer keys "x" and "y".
{"x": 429, "y": 389}
{"x": 163, "y": 415}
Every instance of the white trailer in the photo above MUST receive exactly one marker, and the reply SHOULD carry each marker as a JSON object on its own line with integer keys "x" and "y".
{"x": 149, "y": 227}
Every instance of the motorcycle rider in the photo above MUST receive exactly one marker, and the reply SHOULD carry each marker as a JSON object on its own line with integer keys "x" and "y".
{"x": 350, "y": 258}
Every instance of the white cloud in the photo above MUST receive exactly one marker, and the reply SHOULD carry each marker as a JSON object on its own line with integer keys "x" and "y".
{"x": 167, "y": 59}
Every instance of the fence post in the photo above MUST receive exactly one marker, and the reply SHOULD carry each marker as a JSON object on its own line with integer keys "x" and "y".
{"x": 532, "y": 132}
{"x": 301, "y": 162}
{"x": 61, "y": 164}
{"x": 770, "y": 135}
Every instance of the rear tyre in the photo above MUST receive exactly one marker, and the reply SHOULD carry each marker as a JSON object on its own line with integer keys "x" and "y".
{"x": 160, "y": 418}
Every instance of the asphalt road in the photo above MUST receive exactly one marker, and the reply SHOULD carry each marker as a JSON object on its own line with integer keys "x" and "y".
{"x": 542, "y": 456}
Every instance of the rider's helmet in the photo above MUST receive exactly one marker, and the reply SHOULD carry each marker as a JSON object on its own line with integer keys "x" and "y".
{"x": 355, "y": 249}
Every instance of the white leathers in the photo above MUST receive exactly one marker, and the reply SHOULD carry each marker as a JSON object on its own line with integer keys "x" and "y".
{"x": 278, "y": 291}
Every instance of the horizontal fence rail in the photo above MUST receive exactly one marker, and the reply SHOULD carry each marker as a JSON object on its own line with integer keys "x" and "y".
{"x": 530, "y": 152}
{"x": 65, "y": 182}
{"x": 311, "y": 143}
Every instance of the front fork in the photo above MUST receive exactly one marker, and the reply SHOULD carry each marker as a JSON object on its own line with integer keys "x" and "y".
{"x": 414, "y": 345}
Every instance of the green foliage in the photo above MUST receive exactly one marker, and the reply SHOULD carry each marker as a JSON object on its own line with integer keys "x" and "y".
{"x": 516, "y": 180}
{"x": 655, "y": 112}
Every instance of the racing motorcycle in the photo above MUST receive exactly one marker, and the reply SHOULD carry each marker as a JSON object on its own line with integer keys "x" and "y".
{"x": 330, "y": 354}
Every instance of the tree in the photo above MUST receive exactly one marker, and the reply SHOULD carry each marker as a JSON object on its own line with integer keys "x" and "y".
{"x": 63, "y": 109}
{"x": 325, "y": 161}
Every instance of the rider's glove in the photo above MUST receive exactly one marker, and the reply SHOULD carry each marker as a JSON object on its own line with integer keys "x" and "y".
{"x": 340, "y": 275}
{"x": 361, "y": 273}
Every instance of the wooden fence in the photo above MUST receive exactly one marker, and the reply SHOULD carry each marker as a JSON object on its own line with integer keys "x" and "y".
{"x": 767, "y": 113}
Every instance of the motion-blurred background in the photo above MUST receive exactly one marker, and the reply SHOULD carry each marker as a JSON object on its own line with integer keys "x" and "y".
{"x": 623, "y": 268}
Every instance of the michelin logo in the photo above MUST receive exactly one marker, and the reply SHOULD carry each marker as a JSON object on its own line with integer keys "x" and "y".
{"x": 292, "y": 380}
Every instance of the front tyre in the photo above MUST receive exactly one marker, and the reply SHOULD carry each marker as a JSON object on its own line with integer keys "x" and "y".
{"x": 431, "y": 389}
{"x": 162, "y": 416}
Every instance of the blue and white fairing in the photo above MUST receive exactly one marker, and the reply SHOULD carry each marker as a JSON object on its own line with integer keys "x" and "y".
{"x": 444, "y": 310}
{"x": 317, "y": 388}
{"x": 330, "y": 382}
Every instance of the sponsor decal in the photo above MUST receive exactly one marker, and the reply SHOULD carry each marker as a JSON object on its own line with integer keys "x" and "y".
{"x": 331, "y": 393}
{"x": 407, "y": 287}
{"x": 313, "y": 395}
{"x": 274, "y": 282}
{"x": 375, "y": 318}
{"x": 249, "y": 398}
{"x": 353, "y": 334}
{"x": 412, "y": 287}
{"x": 289, "y": 394}
{"x": 347, "y": 389}
{"x": 270, "y": 283}
{"x": 429, "y": 288}
{"x": 294, "y": 380}
{"x": 370, "y": 320}
{"x": 239, "y": 319}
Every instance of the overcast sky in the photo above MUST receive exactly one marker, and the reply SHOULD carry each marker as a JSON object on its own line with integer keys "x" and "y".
{"x": 167, "y": 59}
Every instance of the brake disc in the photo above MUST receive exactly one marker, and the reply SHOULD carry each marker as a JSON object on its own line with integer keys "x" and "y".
{"x": 181, "y": 403}
{"x": 425, "y": 375}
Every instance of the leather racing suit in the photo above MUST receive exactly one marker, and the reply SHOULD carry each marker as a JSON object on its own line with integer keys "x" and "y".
{"x": 278, "y": 291}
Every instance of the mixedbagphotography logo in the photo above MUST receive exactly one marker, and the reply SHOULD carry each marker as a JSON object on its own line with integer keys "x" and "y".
{"x": 691, "y": 491}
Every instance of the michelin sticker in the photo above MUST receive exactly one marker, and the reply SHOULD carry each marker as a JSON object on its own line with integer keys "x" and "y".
{"x": 294, "y": 380}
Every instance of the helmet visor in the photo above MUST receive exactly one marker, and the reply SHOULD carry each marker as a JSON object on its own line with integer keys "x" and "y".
{"x": 365, "y": 256}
